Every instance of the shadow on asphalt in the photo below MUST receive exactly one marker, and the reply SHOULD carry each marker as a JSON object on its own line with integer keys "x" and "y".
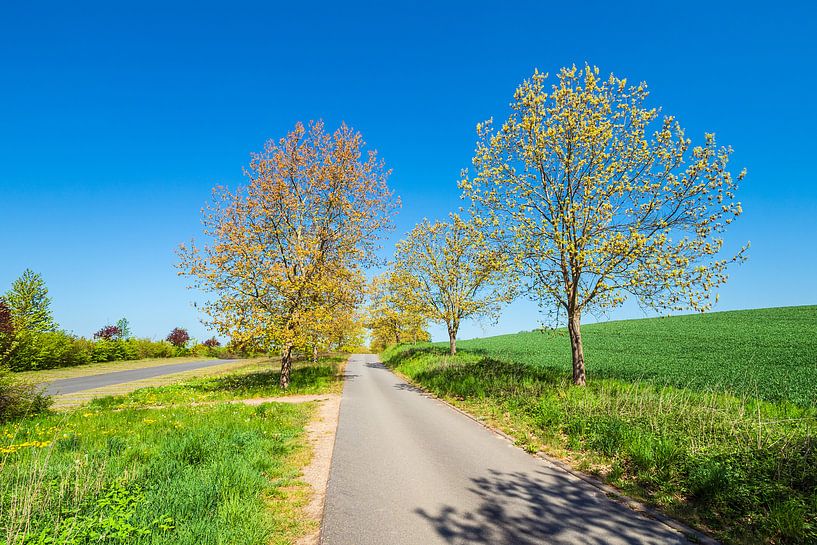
{"x": 404, "y": 386}
{"x": 521, "y": 509}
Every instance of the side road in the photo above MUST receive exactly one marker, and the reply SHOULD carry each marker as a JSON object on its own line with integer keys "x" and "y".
{"x": 409, "y": 470}
{"x": 77, "y": 384}
{"x": 79, "y": 389}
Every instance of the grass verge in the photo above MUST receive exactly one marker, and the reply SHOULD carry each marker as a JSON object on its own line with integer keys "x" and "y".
{"x": 259, "y": 379}
{"x": 181, "y": 474}
{"x": 739, "y": 467}
{"x": 223, "y": 474}
{"x": 76, "y": 399}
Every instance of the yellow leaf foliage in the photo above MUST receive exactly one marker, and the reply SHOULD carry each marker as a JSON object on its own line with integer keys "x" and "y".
{"x": 597, "y": 197}
{"x": 284, "y": 254}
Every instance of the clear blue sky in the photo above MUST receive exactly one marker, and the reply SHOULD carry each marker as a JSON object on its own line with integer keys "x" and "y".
{"x": 115, "y": 122}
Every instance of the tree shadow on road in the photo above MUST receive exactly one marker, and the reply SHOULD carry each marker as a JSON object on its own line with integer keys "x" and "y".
{"x": 547, "y": 507}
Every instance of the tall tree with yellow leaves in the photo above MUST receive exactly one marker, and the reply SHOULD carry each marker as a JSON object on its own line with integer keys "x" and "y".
{"x": 447, "y": 273}
{"x": 598, "y": 198}
{"x": 390, "y": 320}
{"x": 282, "y": 248}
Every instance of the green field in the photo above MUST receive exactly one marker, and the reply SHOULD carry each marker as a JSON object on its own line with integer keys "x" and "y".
{"x": 767, "y": 353}
{"x": 148, "y": 467}
{"x": 711, "y": 418}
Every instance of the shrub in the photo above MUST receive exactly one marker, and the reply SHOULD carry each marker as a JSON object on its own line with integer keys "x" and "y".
{"x": 18, "y": 399}
{"x": 178, "y": 337}
{"x": 109, "y": 333}
{"x": 145, "y": 348}
{"x": 32, "y": 351}
{"x": 212, "y": 342}
{"x": 111, "y": 350}
{"x": 6, "y": 327}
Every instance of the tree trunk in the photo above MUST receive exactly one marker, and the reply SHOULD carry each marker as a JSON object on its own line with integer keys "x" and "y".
{"x": 574, "y": 327}
{"x": 286, "y": 366}
{"x": 452, "y": 340}
{"x": 315, "y": 354}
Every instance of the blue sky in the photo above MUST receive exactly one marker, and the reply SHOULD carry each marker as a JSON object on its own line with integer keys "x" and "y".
{"x": 115, "y": 122}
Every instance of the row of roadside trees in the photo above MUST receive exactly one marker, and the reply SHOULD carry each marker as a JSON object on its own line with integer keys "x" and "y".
{"x": 583, "y": 197}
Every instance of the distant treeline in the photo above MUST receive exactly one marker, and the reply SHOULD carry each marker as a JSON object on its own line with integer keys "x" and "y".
{"x": 31, "y": 340}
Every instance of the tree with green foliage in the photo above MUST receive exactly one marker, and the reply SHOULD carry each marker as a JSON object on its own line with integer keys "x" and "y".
{"x": 124, "y": 329}
{"x": 30, "y": 304}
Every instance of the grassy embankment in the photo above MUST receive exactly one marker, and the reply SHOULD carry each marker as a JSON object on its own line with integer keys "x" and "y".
{"x": 181, "y": 474}
{"x": 710, "y": 417}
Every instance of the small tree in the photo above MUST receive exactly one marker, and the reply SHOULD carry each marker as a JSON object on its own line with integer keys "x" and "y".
{"x": 178, "y": 337}
{"x": 447, "y": 273}
{"x": 108, "y": 333}
{"x": 212, "y": 342}
{"x": 597, "y": 199}
{"x": 124, "y": 329}
{"x": 30, "y": 304}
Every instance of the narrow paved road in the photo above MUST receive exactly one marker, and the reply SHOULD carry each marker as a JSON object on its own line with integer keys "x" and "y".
{"x": 78, "y": 384}
{"x": 408, "y": 470}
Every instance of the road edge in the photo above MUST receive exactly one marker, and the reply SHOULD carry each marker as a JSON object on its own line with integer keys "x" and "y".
{"x": 692, "y": 534}
{"x": 322, "y": 443}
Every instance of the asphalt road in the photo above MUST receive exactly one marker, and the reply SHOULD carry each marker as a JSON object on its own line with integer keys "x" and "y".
{"x": 407, "y": 469}
{"x": 78, "y": 384}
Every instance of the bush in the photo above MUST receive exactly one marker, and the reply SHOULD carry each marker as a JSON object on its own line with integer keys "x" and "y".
{"x": 145, "y": 348}
{"x": 109, "y": 333}
{"x": 32, "y": 351}
{"x": 112, "y": 350}
{"x": 18, "y": 399}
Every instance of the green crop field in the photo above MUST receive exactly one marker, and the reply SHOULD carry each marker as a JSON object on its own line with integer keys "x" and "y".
{"x": 711, "y": 418}
{"x": 767, "y": 353}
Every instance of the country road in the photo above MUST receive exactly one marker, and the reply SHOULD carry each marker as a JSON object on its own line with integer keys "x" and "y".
{"x": 409, "y": 470}
{"x": 88, "y": 382}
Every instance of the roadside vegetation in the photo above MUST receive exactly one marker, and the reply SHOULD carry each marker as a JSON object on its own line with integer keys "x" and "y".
{"x": 254, "y": 381}
{"x": 155, "y": 467}
{"x": 195, "y": 475}
{"x": 30, "y": 339}
{"x": 710, "y": 417}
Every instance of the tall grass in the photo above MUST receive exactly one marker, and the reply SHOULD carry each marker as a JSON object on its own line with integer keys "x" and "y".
{"x": 220, "y": 474}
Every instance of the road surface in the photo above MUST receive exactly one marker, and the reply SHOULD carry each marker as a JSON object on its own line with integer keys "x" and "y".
{"x": 409, "y": 470}
{"x": 78, "y": 384}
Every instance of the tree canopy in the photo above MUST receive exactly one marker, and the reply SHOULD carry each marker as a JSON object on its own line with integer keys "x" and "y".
{"x": 285, "y": 251}
{"x": 446, "y": 272}
{"x": 597, "y": 198}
